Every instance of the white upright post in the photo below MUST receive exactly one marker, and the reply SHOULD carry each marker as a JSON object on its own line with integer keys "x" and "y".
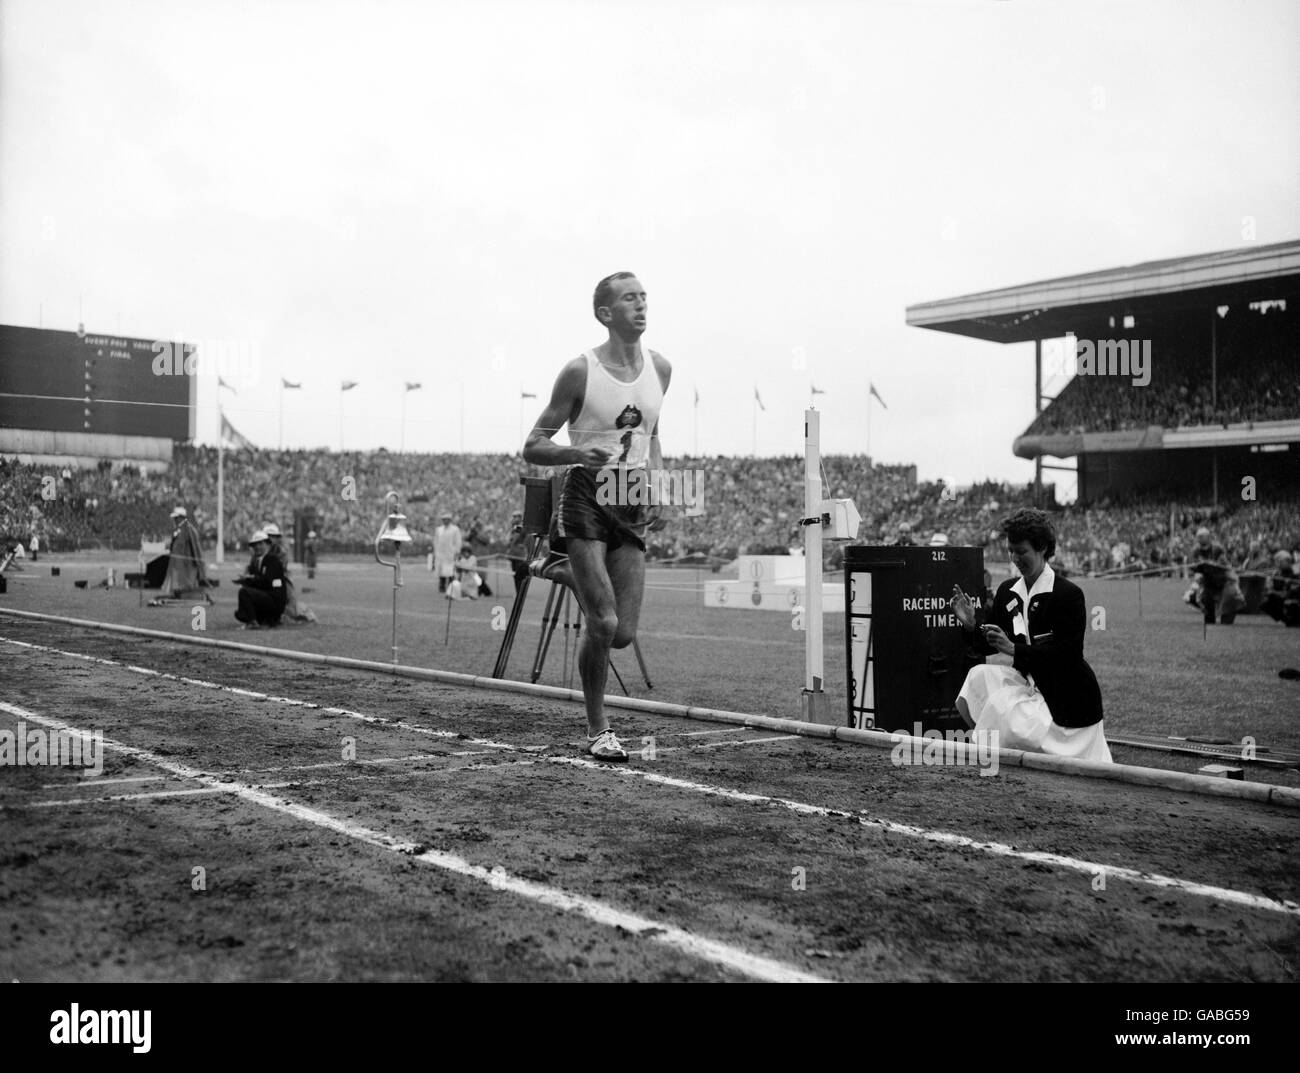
{"x": 815, "y": 706}
{"x": 221, "y": 497}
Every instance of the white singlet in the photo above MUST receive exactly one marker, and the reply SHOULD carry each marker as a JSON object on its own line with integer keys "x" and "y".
{"x": 618, "y": 415}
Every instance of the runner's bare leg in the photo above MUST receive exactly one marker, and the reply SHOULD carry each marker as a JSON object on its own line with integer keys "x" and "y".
{"x": 595, "y": 591}
{"x": 609, "y": 585}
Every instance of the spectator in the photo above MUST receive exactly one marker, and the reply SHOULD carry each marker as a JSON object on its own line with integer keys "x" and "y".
{"x": 186, "y": 573}
{"x": 261, "y": 590}
{"x": 447, "y": 542}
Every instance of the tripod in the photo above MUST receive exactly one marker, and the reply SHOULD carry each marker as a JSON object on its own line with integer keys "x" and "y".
{"x": 537, "y": 518}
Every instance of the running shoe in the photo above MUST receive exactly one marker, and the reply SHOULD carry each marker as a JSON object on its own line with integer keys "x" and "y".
{"x": 604, "y": 746}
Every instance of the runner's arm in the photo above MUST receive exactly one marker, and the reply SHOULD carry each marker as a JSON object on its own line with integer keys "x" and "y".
{"x": 565, "y": 397}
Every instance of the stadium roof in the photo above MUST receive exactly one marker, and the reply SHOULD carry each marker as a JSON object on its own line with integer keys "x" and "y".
{"x": 1055, "y": 307}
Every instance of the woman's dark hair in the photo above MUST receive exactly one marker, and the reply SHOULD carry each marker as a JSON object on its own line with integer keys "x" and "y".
{"x": 1033, "y": 526}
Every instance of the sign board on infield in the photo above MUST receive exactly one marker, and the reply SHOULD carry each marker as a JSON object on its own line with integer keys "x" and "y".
{"x": 769, "y": 583}
{"x": 907, "y": 654}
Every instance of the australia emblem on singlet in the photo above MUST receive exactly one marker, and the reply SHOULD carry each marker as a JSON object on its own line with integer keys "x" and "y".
{"x": 629, "y": 418}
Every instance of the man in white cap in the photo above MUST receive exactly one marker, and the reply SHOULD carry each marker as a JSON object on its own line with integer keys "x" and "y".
{"x": 186, "y": 574}
{"x": 262, "y": 589}
{"x": 292, "y": 611}
{"x": 309, "y": 555}
{"x": 939, "y": 540}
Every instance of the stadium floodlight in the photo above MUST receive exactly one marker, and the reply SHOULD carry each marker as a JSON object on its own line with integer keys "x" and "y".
{"x": 395, "y": 533}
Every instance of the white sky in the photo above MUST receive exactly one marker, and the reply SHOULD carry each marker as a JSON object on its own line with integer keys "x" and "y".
{"x": 429, "y": 191}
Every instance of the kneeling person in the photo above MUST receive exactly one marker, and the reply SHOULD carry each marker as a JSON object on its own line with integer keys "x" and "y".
{"x": 1048, "y": 699}
{"x": 261, "y": 591}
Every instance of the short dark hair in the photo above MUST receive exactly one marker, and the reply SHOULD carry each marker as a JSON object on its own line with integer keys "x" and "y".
{"x": 1034, "y": 526}
{"x": 605, "y": 291}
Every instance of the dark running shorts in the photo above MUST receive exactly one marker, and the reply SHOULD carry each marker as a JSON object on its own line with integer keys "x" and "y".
{"x": 579, "y": 514}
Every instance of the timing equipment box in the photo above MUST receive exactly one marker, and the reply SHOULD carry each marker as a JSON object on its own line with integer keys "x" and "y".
{"x": 907, "y": 653}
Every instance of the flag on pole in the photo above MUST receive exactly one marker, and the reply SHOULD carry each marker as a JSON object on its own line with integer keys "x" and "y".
{"x": 817, "y": 391}
{"x": 290, "y": 384}
{"x": 232, "y": 435}
{"x": 348, "y": 385}
{"x": 527, "y": 395}
{"x": 412, "y": 386}
{"x": 758, "y": 399}
{"x": 697, "y": 396}
{"x": 221, "y": 383}
{"x": 878, "y": 398}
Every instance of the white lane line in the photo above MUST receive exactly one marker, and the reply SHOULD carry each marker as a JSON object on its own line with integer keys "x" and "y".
{"x": 947, "y": 838}
{"x": 722, "y": 744}
{"x": 153, "y": 795}
{"x": 295, "y": 783}
{"x": 747, "y": 741}
{"x": 96, "y": 781}
{"x": 702, "y": 733}
{"x": 324, "y": 765}
{"x": 709, "y": 950}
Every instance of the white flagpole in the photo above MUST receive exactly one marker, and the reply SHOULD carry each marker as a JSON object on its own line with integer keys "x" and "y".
{"x": 221, "y": 489}
{"x": 402, "y": 441}
{"x": 871, "y": 460}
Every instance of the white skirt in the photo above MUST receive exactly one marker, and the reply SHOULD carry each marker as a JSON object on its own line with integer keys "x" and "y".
{"x": 1001, "y": 699}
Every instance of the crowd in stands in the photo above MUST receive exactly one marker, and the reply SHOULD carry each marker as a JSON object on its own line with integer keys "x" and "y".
{"x": 751, "y": 506}
{"x": 1259, "y": 382}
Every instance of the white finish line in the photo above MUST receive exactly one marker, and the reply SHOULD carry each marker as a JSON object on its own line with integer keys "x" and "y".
{"x": 709, "y": 950}
{"x": 151, "y": 795}
{"x": 945, "y": 838}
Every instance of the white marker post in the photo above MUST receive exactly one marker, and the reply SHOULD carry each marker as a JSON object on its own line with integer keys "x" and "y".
{"x": 814, "y": 704}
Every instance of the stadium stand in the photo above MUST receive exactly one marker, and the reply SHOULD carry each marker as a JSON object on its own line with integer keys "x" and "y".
{"x": 749, "y": 506}
{"x": 1259, "y": 383}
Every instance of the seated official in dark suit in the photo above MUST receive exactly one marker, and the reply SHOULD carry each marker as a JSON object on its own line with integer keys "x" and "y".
{"x": 1048, "y": 699}
{"x": 262, "y": 592}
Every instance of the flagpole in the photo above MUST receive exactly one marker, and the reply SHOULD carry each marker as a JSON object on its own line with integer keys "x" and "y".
{"x": 282, "y": 413}
{"x": 340, "y": 420}
{"x": 696, "y": 434}
{"x": 870, "y": 460}
{"x": 462, "y": 416}
{"x": 401, "y": 442}
{"x": 221, "y": 487}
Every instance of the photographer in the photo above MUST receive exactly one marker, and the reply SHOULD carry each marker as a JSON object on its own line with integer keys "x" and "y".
{"x": 261, "y": 590}
{"x": 1048, "y": 699}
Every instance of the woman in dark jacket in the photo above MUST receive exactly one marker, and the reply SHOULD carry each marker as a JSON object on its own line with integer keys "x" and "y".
{"x": 1047, "y": 698}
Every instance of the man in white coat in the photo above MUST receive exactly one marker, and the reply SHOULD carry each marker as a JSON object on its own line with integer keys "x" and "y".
{"x": 446, "y": 546}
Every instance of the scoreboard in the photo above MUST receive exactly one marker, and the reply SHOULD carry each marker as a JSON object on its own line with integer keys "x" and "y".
{"x": 107, "y": 384}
